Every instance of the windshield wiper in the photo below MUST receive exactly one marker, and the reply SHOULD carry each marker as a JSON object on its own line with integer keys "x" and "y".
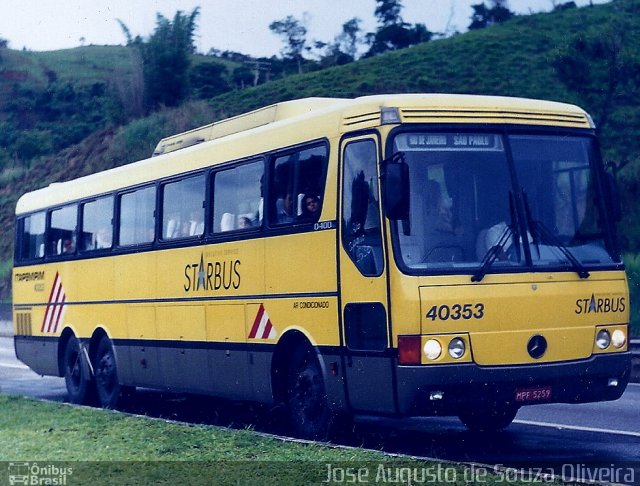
{"x": 510, "y": 233}
{"x": 540, "y": 232}
{"x": 492, "y": 254}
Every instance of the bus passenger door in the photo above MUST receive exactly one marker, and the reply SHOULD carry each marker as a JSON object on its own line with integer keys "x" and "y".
{"x": 363, "y": 281}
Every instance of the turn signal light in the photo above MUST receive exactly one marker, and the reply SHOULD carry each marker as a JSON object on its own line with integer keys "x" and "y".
{"x": 409, "y": 350}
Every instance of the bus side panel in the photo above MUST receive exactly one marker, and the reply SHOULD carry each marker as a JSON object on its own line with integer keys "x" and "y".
{"x": 301, "y": 268}
{"x": 41, "y": 355}
{"x": 227, "y": 358}
{"x": 181, "y": 362}
{"x": 143, "y": 354}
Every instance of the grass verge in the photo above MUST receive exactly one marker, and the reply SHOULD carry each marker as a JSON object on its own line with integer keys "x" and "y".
{"x": 91, "y": 446}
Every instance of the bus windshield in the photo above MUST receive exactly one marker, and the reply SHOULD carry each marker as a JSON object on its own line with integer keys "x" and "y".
{"x": 464, "y": 188}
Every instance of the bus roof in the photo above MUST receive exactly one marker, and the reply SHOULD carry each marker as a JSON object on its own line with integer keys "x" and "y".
{"x": 307, "y": 119}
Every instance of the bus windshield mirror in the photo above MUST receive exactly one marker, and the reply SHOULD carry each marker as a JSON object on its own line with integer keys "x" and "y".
{"x": 395, "y": 178}
{"x": 541, "y": 234}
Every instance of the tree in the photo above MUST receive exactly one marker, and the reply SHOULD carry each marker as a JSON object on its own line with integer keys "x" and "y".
{"x": 4, "y": 43}
{"x": 393, "y": 32}
{"x": 127, "y": 33}
{"x": 350, "y": 37}
{"x": 243, "y": 76}
{"x": 294, "y": 34}
{"x": 603, "y": 69}
{"x": 130, "y": 89}
{"x": 388, "y": 12}
{"x": 166, "y": 59}
{"x": 484, "y": 16}
{"x": 344, "y": 48}
{"x": 209, "y": 79}
{"x": 563, "y": 6}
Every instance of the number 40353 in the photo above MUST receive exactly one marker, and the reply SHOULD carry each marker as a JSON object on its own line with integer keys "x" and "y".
{"x": 456, "y": 312}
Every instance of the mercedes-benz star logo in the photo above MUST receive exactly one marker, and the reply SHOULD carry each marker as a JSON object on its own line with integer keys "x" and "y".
{"x": 537, "y": 346}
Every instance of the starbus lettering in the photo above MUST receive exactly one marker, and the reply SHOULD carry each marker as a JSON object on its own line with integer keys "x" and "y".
{"x": 207, "y": 276}
{"x": 599, "y": 304}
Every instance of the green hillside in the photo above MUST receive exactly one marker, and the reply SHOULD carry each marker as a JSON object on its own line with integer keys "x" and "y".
{"x": 514, "y": 59}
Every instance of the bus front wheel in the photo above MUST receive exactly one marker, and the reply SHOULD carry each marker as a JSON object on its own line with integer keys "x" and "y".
{"x": 489, "y": 419}
{"x": 309, "y": 412}
{"x": 106, "y": 374}
{"x": 77, "y": 378}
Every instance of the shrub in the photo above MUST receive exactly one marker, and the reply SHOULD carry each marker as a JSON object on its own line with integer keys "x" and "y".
{"x": 32, "y": 143}
{"x": 632, "y": 262}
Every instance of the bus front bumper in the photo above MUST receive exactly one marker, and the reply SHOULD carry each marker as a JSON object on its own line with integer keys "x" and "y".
{"x": 448, "y": 389}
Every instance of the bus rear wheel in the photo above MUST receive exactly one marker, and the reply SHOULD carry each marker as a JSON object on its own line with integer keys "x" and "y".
{"x": 105, "y": 370}
{"x": 489, "y": 419}
{"x": 77, "y": 378}
{"x": 309, "y": 412}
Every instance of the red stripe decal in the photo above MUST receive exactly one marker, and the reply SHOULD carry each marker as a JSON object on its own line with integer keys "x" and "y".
{"x": 59, "y": 314}
{"x": 267, "y": 330}
{"x": 55, "y": 307}
{"x": 256, "y": 323}
{"x": 46, "y": 313}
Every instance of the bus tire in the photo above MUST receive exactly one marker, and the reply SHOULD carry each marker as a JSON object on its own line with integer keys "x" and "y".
{"x": 109, "y": 390}
{"x": 77, "y": 378}
{"x": 309, "y": 413}
{"x": 489, "y": 419}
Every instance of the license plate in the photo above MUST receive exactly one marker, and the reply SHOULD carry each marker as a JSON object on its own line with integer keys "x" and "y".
{"x": 537, "y": 394}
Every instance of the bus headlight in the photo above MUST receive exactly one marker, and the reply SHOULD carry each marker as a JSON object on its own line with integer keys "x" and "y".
{"x": 432, "y": 349}
{"x": 618, "y": 338}
{"x": 603, "y": 339}
{"x": 456, "y": 348}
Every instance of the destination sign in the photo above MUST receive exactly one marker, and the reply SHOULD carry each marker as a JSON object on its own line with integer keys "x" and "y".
{"x": 449, "y": 141}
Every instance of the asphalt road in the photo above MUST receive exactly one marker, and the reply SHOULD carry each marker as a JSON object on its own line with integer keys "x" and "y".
{"x": 598, "y": 441}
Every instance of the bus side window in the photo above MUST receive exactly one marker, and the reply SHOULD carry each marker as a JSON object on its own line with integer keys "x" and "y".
{"x": 237, "y": 197}
{"x": 32, "y": 236}
{"x": 61, "y": 234}
{"x": 183, "y": 208}
{"x": 137, "y": 216}
{"x": 97, "y": 224}
{"x": 361, "y": 235}
{"x": 298, "y": 186}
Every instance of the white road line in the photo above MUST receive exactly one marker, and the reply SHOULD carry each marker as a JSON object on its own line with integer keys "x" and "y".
{"x": 577, "y": 427}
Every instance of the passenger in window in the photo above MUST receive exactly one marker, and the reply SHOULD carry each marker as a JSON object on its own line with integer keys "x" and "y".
{"x": 185, "y": 229}
{"x": 192, "y": 225}
{"x": 286, "y": 209}
{"x": 437, "y": 210}
{"x": 310, "y": 208}
{"x": 442, "y": 236}
{"x": 68, "y": 246}
{"x": 244, "y": 222}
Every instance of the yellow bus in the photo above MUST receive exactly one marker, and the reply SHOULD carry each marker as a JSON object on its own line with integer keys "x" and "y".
{"x": 401, "y": 255}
